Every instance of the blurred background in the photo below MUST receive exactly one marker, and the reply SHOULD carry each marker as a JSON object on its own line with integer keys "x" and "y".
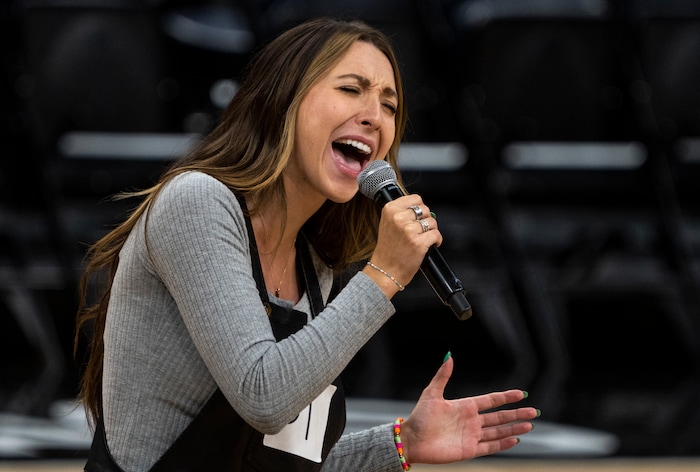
{"x": 558, "y": 141}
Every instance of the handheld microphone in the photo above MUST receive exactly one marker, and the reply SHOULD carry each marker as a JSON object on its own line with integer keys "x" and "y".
{"x": 378, "y": 182}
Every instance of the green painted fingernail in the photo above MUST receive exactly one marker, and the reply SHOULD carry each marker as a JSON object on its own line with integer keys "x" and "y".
{"x": 539, "y": 413}
{"x": 447, "y": 356}
{"x": 433, "y": 215}
{"x": 525, "y": 394}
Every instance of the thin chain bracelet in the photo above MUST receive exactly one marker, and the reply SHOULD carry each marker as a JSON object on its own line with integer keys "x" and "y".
{"x": 398, "y": 284}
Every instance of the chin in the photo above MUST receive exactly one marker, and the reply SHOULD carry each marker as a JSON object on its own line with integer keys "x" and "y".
{"x": 345, "y": 198}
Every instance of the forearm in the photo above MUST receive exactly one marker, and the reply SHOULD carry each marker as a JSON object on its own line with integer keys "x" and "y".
{"x": 310, "y": 360}
{"x": 371, "y": 450}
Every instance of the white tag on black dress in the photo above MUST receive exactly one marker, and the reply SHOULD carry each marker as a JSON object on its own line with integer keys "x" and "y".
{"x": 304, "y": 436}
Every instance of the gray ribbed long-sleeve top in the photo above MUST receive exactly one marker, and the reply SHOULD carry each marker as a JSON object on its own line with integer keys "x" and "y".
{"x": 185, "y": 317}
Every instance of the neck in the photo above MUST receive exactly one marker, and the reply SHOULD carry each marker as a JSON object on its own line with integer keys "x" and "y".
{"x": 276, "y": 227}
{"x": 273, "y": 235}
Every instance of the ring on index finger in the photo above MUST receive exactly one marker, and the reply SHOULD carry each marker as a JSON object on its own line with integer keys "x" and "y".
{"x": 425, "y": 226}
{"x": 418, "y": 211}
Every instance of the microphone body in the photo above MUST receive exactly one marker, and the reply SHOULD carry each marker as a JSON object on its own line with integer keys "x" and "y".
{"x": 378, "y": 182}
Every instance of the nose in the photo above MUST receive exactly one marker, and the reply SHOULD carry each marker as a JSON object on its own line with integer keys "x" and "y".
{"x": 371, "y": 113}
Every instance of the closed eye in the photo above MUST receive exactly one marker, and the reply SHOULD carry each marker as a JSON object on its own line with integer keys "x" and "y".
{"x": 390, "y": 107}
{"x": 349, "y": 89}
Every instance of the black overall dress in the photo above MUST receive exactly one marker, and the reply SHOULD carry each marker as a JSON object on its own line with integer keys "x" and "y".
{"x": 218, "y": 439}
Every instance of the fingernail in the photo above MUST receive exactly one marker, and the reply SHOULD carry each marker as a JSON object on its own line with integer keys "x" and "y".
{"x": 525, "y": 394}
{"x": 433, "y": 215}
{"x": 447, "y": 356}
{"x": 517, "y": 440}
{"x": 533, "y": 425}
{"x": 538, "y": 413}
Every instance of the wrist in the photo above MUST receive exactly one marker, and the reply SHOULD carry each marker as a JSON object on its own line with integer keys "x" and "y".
{"x": 384, "y": 280}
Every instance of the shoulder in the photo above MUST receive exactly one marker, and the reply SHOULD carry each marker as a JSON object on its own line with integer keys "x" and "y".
{"x": 191, "y": 183}
{"x": 197, "y": 192}
{"x": 198, "y": 205}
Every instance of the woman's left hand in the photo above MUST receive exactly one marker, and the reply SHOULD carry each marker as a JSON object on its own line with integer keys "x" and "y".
{"x": 440, "y": 431}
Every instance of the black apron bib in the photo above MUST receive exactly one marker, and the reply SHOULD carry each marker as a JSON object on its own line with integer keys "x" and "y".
{"x": 218, "y": 438}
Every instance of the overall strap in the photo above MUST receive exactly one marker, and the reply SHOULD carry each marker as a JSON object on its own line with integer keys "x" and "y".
{"x": 255, "y": 256}
{"x": 307, "y": 273}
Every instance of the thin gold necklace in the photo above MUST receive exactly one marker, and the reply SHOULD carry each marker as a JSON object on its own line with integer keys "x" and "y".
{"x": 279, "y": 285}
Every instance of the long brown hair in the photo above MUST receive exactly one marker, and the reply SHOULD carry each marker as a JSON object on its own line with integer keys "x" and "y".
{"x": 247, "y": 151}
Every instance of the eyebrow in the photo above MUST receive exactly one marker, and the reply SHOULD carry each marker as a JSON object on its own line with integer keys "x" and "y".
{"x": 365, "y": 82}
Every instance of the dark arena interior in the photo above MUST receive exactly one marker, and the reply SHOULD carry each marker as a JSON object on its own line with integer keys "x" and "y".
{"x": 558, "y": 142}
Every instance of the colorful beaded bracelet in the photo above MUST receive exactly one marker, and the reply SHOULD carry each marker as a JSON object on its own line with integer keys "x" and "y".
{"x": 399, "y": 445}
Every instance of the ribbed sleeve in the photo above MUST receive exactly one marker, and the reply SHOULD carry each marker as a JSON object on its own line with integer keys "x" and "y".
{"x": 372, "y": 450}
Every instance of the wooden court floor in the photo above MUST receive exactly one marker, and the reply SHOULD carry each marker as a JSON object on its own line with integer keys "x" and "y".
{"x": 479, "y": 465}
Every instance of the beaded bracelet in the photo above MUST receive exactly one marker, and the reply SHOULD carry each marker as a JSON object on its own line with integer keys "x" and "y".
{"x": 399, "y": 445}
{"x": 398, "y": 284}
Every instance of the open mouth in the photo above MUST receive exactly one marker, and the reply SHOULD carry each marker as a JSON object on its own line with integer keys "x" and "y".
{"x": 354, "y": 153}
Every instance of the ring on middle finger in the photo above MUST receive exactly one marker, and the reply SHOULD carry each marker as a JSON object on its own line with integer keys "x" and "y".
{"x": 425, "y": 226}
{"x": 418, "y": 211}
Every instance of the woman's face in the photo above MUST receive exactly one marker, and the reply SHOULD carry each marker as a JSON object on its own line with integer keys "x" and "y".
{"x": 344, "y": 122}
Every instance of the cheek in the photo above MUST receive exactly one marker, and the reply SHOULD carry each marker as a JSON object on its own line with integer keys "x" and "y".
{"x": 312, "y": 123}
{"x": 388, "y": 139}
{"x": 307, "y": 131}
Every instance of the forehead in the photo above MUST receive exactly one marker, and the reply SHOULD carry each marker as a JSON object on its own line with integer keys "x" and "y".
{"x": 365, "y": 59}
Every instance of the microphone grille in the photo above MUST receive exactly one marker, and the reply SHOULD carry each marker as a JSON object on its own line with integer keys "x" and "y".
{"x": 375, "y": 176}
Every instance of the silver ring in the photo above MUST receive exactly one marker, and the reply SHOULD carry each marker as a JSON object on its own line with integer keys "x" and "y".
{"x": 425, "y": 226}
{"x": 418, "y": 211}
